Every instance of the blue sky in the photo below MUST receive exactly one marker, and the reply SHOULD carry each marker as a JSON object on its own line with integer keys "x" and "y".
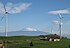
{"x": 36, "y": 15}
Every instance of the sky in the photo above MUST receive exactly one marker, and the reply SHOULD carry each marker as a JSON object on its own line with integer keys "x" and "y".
{"x": 39, "y": 15}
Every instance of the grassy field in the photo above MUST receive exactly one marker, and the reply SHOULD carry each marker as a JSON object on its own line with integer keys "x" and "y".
{"x": 24, "y": 42}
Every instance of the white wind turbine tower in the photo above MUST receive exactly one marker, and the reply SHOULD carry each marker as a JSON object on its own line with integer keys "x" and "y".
{"x": 6, "y": 19}
{"x": 60, "y": 25}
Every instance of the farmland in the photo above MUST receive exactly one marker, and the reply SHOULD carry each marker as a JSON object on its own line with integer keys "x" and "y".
{"x": 24, "y": 42}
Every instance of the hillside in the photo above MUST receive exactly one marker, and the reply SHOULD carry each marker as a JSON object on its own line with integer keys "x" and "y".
{"x": 24, "y": 33}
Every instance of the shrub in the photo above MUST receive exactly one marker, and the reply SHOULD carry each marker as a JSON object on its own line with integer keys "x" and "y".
{"x": 31, "y": 43}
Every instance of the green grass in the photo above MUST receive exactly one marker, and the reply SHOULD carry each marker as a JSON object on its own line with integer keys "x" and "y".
{"x": 24, "y": 41}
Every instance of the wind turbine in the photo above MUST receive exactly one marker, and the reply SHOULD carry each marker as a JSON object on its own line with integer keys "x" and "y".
{"x": 60, "y": 25}
{"x": 6, "y": 25}
{"x": 6, "y": 13}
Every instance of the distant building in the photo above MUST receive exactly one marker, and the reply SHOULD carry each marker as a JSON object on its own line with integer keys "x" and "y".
{"x": 54, "y": 37}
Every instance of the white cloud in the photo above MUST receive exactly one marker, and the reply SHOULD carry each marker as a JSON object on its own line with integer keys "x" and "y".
{"x": 14, "y": 8}
{"x": 56, "y": 22}
{"x": 65, "y": 11}
{"x": 29, "y": 29}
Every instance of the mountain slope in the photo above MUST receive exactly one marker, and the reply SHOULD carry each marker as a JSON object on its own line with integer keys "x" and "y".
{"x": 25, "y": 33}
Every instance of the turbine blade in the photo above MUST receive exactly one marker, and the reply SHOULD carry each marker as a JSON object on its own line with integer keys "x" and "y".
{"x": 5, "y": 9}
{"x": 60, "y": 16}
{"x": 58, "y": 28}
{"x": 2, "y": 18}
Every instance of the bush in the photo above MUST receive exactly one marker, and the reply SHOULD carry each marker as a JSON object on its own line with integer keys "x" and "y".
{"x": 31, "y": 43}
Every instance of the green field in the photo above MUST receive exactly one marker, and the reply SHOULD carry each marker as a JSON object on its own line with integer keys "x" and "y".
{"x": 24, "y": 42}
